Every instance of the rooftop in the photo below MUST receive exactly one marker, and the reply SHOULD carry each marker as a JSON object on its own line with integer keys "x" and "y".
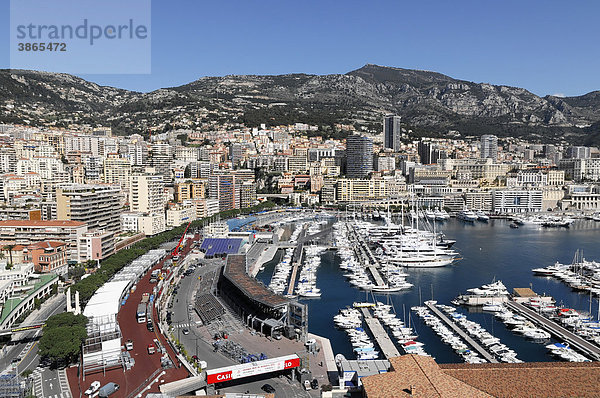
{"x": 532, "y": 379}
{"x": 425, "y": 378}
{"x": 417, "y": 376}
{"x": 237, "y": 223}
{"x": 41, "y": 223}
{"x": 219, "y": 246}
{"x": 235, "y": 271}
{"x": 46, "y": 244}
{"x": 524, "y": 292}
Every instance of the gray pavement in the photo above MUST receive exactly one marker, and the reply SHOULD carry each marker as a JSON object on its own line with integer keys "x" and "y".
{"x": 199, "y": 341}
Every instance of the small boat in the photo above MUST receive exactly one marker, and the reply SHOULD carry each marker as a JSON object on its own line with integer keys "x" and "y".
{"x": 513, "y": 225}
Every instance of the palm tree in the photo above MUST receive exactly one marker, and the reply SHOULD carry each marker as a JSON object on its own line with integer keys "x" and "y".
{"x": 10, "y": 249}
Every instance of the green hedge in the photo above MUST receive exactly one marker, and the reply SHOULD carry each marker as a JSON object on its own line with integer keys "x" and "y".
{"x": 113, "y": 264}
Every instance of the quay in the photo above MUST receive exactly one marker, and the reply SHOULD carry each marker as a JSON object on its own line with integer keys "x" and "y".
{"x": 556, "y": 330}
{"x": 296, "y": 260}
{"x": 382, "y": 337}
{"x": 299, "y": 252}
{"x": 365, "y": 256}
{"x": 489, "y": 357}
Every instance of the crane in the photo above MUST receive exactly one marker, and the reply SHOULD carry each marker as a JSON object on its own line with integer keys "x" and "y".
{"x": 175, "y": 251}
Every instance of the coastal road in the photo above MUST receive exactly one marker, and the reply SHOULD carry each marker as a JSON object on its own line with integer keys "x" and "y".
{"x": 23, "y": 355}
{"x": 20, "y": 348}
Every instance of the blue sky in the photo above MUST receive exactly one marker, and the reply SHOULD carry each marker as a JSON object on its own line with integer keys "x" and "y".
{"x": 547, "y": 47}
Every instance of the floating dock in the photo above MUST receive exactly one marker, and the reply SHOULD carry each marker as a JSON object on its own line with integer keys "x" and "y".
{"x": 556, "y": 330}
{"x": 382, "y": 337}
{"x": 482, "y": 351}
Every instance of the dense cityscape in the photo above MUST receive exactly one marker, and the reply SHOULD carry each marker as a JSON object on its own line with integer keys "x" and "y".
{"x": 95, "y": 223}
{"x": 299, "y": 199}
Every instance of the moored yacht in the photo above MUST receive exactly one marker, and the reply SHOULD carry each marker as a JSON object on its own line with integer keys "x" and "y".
{"x": 467, "y": 215}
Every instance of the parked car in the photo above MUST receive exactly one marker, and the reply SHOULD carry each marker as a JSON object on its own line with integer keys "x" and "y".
{"x": 151, "y": 349}
{"x": 93, "y": 388}
{"x": 108, "y": 389}
{"x": 314, "y": 384}
{"x": 129, "y": 345}
{"x": 268, "y": 388}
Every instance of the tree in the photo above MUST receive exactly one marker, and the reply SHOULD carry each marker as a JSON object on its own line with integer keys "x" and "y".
{"x": 10, "y": 249}
{"x": 63, "y": 336}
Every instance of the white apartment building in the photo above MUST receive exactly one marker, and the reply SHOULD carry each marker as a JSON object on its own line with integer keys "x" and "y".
{"x": 516, "y": 201}
{"x": 180, "y": 214}
{"x": 581, "y": 169}
{"x": 204, "y": 207}
{"x": 117, "y": 171}
{"x": 146, "y": 193}
{"x": 218, "y": 229}
{"x": 350, "y": 190}
{"x": 479, "y": 200}
{"x": 25, "y": 232}
{"x": 19, "y": 274}
{"x": 478, "y": 168}
{"x": 151, "y": 224}
{"x": 129, "y": 222}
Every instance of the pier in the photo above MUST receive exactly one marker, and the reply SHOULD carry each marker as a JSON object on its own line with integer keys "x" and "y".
{"x": 382, "y": 337}
{"x": 299, "y": 251}
{"x": 489, "y": 357}
{"x": 556, "y": 330}
{"x": 366, "y": 257}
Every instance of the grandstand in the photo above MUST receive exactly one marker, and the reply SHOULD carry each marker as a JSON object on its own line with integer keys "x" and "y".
{"x": 256, "y": 304}
{"x": 215, "y": 247}
{"x": 209, "y": 308}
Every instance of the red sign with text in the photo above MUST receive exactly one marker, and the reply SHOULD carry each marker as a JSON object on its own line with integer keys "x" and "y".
{"x": 252, "y": 369}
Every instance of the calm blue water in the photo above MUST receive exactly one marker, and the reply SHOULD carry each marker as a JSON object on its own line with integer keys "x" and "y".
{"x": 489, "y": 251}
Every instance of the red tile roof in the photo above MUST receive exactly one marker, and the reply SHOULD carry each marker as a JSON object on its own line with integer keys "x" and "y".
{"x": 423, "y": 377}
{"x": 46, "y": 243}
{"x": 533, "y": 379}
{"x": 417, "y": 376}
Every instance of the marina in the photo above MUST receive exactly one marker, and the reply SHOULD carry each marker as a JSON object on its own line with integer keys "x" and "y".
{"x": 483, "y": 247}
{"x": 483, "y": 352}
{"x": 558, "y": 331}
{"x": 382, "y": 337}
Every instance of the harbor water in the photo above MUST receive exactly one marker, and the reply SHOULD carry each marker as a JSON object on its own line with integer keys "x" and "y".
{"x": 489, "y": 251}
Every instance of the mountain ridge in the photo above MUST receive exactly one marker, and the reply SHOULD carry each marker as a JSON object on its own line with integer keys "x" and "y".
{"x": 427, "y": 100}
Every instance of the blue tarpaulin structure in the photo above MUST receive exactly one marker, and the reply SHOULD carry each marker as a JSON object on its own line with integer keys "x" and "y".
{"x": 220, "y": 246}
{"x": 236, "y": 223}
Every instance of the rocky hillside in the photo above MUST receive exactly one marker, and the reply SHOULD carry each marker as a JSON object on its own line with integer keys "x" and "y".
{"x": 428, "y": 101}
